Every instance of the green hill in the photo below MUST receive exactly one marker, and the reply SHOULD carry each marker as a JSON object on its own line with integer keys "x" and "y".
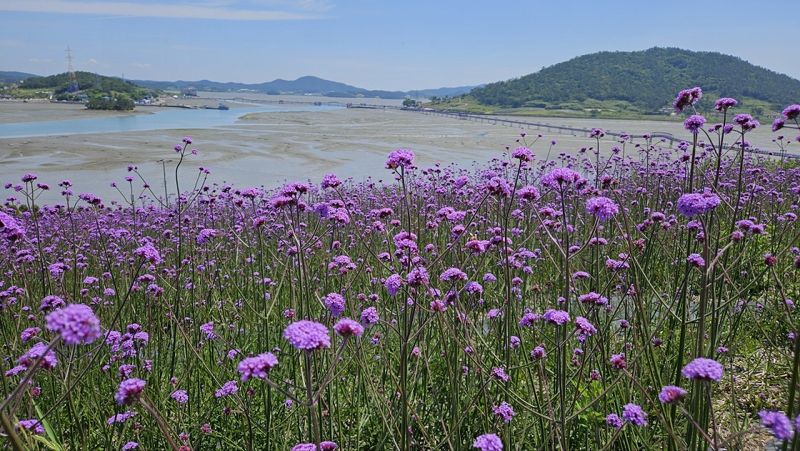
{"x": 88, "y": 83}
{"x": 642, "y": 82}
{"x": 14, "y": 76}
{"x": 98, "y": 91}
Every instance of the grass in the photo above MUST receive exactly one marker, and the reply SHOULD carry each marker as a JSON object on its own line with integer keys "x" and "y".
{"x": 185, "y": 287}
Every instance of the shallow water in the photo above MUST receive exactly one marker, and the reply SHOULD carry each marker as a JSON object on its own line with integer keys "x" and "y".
{"x": 161, "y": 119}
{"x": 286, "y": 142}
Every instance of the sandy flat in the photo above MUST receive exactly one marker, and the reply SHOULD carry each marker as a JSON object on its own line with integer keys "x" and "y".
{"x": 34, "y": 111}
{"x": 271, "y": 148}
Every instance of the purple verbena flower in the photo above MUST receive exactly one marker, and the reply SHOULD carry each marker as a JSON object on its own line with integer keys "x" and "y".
{"x": 522, "y": 153}
{"x": 228, "y": 388}
{"x": 400, "y": 158}
{"x": 180, "y": 396}
{"x": 75, "y": 323}
{"x": 634, "y": 414}
{"x": 32, "y": 425}
{"x": 393, "y": 284}
{"x": 330, "y": 181}
{"x": 488, "y": 442}
{"x": 703, "y": 369}
{"x": 129, "y": 391}
{"x": 602, "y": 207}
{"x": 346, "y": 327}
{"x": 453, "y": 274}
{"x": 369, "y": 316}
{"x": 613, "y": 420}
{"x": 335, "y": 304}
{"x": 584, "y": 326}
{"x": 29, "y": 333}
{"x": 778, "y": 423}
{"x": 559, "y": 177}
{"x": 36, "y": 352}
{"x": 723, "y": 103}
{"x": 149, "y": 253}
{"x": 692, "y": 204}
{"x": 618, "y": 361}
{"x": 10, "y": 228}
{"x": 258, "y": 366}
{"x": 538, "y": 353}
{"x": 791, "y": 112}
{"x": 504, "y": 411}
{"x": 687, "y": 97}
{"x": 205, "y": 235}
{"x": 556, "y": 317}
{"x": 119, "y": 418}
{"x": 694, "y": 123}
{"x": 500, "y": 374}
{"x": 671, "y": 394}
{"x": 696, "y": 260}
{"x": 307, "y": 335}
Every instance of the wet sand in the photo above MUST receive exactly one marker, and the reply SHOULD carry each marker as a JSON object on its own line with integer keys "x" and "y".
{"x": 261, "y": 149}
{"x": 36, "y": 111}
{"x": 271, "y": 148}
{"x": 12, "y": 111}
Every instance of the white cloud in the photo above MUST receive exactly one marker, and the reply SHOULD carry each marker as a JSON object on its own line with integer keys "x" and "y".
{"x": 91, "y": 61}
{"x": 305, "y": 5}
{"x": 212, "y": 11}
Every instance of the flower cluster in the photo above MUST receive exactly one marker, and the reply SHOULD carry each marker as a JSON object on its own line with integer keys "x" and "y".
{"x": 307, "y": 335}
{"x": 75, "y": 323}
{"x": 258, "y": 366}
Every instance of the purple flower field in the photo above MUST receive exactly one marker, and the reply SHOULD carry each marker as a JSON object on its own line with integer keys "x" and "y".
{"x": 635, "y": 296}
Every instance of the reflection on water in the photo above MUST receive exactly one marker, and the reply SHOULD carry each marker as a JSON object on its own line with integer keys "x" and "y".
{"x": 161, "y": 119}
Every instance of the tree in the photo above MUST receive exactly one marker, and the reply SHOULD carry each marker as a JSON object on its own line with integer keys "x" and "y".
{"x": 123, "y": 102}
{"x": 119, "y": 102}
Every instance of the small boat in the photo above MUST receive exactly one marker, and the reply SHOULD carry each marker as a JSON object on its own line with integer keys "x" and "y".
{"x": 222, "y": 106}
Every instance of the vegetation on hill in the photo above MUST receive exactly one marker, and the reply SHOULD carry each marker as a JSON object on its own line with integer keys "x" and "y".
{"x": 88, "y": 81}
{"x": 639, "y": 82}
{"x": 99, "y": 91}
{"x": 14, "y": 76}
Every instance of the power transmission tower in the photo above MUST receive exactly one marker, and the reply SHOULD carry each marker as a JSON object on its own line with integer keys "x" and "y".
{"x": 73, "y": 80}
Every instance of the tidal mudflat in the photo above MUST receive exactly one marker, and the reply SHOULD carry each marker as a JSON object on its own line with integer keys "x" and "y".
{"x": 272, "y": 147}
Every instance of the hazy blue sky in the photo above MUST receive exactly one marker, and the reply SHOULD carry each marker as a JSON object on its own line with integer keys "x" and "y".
{"x": 403, "y": 44}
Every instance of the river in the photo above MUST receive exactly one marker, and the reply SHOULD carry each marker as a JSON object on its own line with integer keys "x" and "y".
{"x": 160, "y": 119}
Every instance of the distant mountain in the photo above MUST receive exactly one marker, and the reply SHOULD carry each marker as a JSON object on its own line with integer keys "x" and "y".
{"x": 646, "y": 80}
{"x": 308, "y": 84}
{"x": 441, "y": 92}
{"x": 302, "y": 85}
{"x": 14, "y": 77}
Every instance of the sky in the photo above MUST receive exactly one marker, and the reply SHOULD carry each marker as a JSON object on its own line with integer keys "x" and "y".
{"x": 376, "y": 44}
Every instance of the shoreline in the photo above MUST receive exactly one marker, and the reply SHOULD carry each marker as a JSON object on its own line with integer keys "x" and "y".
{"x": 270, "y": 148}
{"x": 13, "y": 111}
